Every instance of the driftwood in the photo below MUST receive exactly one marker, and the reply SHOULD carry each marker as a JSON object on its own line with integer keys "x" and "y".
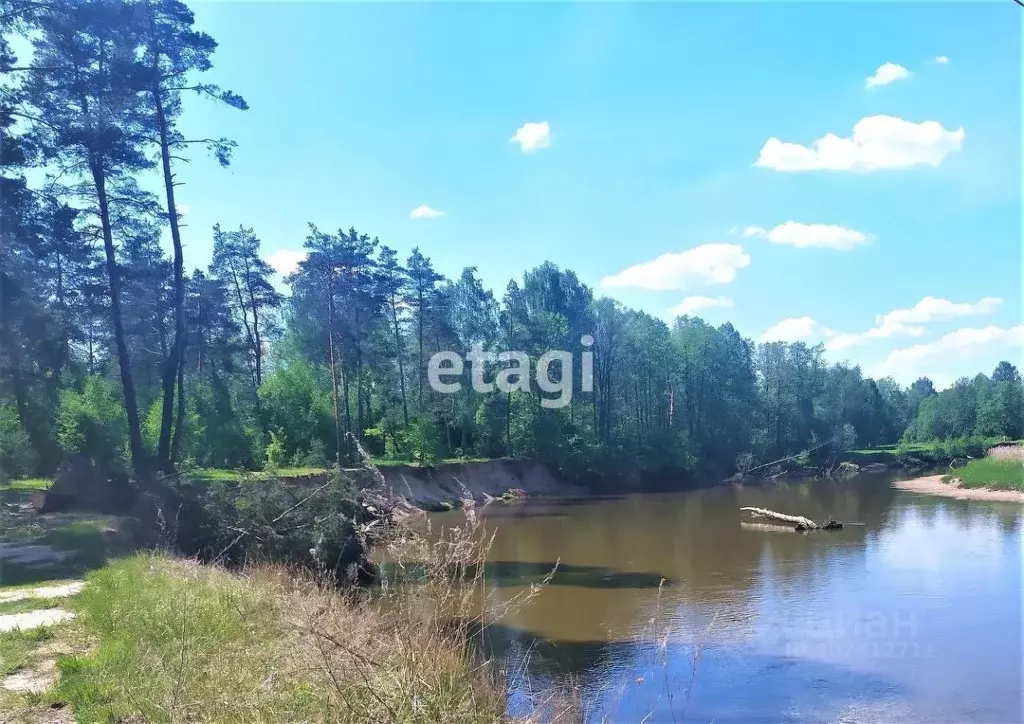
{"x": 797, "y": 522}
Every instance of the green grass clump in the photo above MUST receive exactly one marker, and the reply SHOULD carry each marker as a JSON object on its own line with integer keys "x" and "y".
{"x": 990, "y": 473}
{"x": 392, "y": 462}
{"x": 180, "y": 642}
{"x": 233, "y": 475}
{"x": 23, "y": 605}
{"x": 26, "y": 485}
{"x": 299, "y": 472}
{"x": 16, "y": 647}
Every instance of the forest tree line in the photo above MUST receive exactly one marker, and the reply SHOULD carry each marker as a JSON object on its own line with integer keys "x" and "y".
{"x": 109, "y": 347}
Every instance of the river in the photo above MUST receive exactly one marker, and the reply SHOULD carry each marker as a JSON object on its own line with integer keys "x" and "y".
{"x": 664, "y": 606}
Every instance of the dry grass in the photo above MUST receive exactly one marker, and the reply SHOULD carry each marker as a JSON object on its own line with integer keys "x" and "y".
{"x": 406, "y": 654}
{"x": 1007, "y": 452}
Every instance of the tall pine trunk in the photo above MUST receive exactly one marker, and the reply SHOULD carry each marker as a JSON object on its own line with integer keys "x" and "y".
{"x": 258, "y": 344}
{"x": 334, "y": 373}
{"x": 419, "y": 367}
{"x": 257, "y": 339}
{"x": 138, "y": 453}
{"x": 179, "y": 422}
{"x": 174, "y": 359}
{"x": 348, "y": 412}
{"x": 401, "y": 365}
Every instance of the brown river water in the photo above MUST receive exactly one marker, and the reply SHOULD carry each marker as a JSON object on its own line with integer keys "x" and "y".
{"x": 663, "y": 606}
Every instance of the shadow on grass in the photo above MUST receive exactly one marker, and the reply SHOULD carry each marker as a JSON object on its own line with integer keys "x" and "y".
{"x": 38, "y": 548}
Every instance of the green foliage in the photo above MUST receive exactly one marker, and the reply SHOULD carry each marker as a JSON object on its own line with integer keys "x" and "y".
{"x": 219, "y": 436}
{"x": 92, "y": 422}
{"x": 424, "y": 440}
{"x": 194, "y": 441}
{"x": 17, "y": 457}
{"x": 316, "y": 457}
{"x": 962, "y": 447}
{"x": 980, "y": 407}
{"x": 847, "y": 438}
{"x": 297, "y": 406}
{"x": 345, "y": 353}
{"x": 151, "y": 426}
{"x": 257, "y": 518}
{"x": 275, "y": 455}
{"x": 1001, "y": 406}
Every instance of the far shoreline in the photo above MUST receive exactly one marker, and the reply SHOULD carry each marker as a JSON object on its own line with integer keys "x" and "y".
{"x": 933, "y": 485}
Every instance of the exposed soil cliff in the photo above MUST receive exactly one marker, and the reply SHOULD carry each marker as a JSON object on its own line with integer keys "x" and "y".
{"x": 454, "y": 485}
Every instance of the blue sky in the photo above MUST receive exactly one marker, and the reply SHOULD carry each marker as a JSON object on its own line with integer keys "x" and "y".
{"x": 656, "y": 118}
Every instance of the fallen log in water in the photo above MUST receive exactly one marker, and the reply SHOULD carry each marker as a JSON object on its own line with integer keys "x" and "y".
{"x": 798, "y": 522}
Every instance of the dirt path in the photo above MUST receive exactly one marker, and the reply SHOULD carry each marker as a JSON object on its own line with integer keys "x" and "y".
{"x": 55, "y": 591}
{"x": 933, "y": 485}
{"x": 38, "y": 676}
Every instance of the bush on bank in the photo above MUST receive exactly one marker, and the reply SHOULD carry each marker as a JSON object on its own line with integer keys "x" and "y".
{"x": 261, "y": 519}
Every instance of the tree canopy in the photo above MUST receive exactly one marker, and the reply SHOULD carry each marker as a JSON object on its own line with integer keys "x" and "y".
{"x": 110, "y": 347}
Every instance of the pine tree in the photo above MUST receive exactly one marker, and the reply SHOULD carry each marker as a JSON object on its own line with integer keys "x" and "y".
{"x": 87, "y": 107}
{"x": 238, "y": 264}
{"x": 391, "y": 280}
{"x": 174, "y": 51}
{"x": 419, "y": 296}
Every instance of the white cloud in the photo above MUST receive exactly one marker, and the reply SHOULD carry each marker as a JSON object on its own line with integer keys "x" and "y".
{"x": 805, "y": 236}
{"x": 533, "y": 136}
{"x": 796, "y": 329}
{"x": 885, "y": 74}
{"x": 183, "y": 209}
{"x": 425, "y": 212}
{"x": 707, "y": 264}
{"x": 935, "y": 309}
{"x": 877, "y": 142}
{"x": 689, "y": 305}
{"x": 941, "y": 59}
{"x": 905, "y": 322}
{"x": 956, "y": 353}
{"x": 286, "y": 261}
{"x": 883, "y": 331}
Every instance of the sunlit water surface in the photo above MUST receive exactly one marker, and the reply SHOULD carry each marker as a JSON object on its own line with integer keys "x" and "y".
{"x": 913, "y": 617}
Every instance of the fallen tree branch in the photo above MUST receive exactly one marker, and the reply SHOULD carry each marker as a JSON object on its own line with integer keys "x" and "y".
{"x": 798, "y": 521}
{"x": 791, "y": 457}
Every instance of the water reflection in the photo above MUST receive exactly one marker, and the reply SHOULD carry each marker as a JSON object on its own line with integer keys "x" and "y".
{"x": 916, "y": 615}
{"x": 522, "y": 573}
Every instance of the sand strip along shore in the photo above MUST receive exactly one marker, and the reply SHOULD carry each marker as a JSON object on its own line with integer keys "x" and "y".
{"x": 933, "y": 485}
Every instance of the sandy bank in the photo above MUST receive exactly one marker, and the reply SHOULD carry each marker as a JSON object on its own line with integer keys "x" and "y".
{"x": 933, "y": 485}
{"x": 459, "y": 484}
